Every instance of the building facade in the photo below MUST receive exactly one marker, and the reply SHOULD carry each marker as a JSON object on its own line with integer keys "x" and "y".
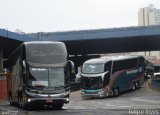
{"x": 148, "y": 16}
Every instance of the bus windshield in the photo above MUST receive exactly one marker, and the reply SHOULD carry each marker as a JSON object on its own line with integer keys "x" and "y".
{"x": 91, "y": 83}
{"x": 93, "y": 68}
{"x": 157, "y": 69}
{"x": 56, "y": 77}
{"x": 44, "y": 77}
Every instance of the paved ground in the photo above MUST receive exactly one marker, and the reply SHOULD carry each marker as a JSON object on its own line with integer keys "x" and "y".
{"x": 145, "y": 101}
{"x": 144, "y": 98}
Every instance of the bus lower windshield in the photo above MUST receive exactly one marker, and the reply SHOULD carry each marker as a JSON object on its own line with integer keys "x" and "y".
{"x": 44, "y": 77}
{"x": 91, "y": 83}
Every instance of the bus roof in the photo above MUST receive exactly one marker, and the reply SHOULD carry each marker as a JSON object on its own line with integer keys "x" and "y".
{"x": 43, "y": 42}
{"x": 110, "y": 58}
{"x": 97, "y": 60}
{"x": 156, "y": 64}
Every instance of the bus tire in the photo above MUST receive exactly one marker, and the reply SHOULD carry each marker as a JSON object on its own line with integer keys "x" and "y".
{"x": 112, "y": 92}
{"x": 19, "y": 101}
{"x": 23, "y": 104}
{"x": 133, "y": 86}
{"x": 10, "y": 99}
{"x": 58, "y": 106}
{"x": 137, "y": 84}
{"x": 116, "y": 92}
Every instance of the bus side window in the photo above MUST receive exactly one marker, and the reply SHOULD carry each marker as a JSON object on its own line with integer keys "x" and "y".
{"x": 117, "y": 66}
{"x": 108, "y": 66}
{"x": 106, "y": 79}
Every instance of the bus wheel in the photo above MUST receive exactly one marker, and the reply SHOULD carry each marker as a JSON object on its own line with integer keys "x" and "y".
{"x": 19, "y": 100}
{"x": 24, "y": 101}
{"x": 58, "y": 106}
{"x": 137, "y": 85}
{"x": 133, "y": 86}
{"x": 116, "y": 92}
{"x": 10, "y": 99}
{"x": 111, "y": 93}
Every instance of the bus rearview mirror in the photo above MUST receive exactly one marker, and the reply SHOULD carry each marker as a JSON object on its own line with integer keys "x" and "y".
{"x": 24, "y": 66}
{"x": 71, "y": 66}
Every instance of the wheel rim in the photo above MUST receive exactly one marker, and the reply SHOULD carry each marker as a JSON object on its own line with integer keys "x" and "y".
{"x": 116, "y": 92}
{"x": 22, "y": 102}
{"x": 10, "y": 99}
{"x": 136, "y": 85}
{"x": 133, "y": 87}
{"x": 111, "y": 93}
{"x": 19, "y": 101}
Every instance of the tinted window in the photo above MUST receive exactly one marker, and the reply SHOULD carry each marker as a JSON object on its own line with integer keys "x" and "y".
{"x": 38, "y": 77}
{"x": 106, "y": 79}
{"x": 124, "y": 64}
{"x": 46, "y": 53}
{"x": 56, "y": 77}
{"x": 93, "y": 68}
{"x": 108, "y": 66}
{"x": 156, "y": 69}
{"x": 44, "y": 77}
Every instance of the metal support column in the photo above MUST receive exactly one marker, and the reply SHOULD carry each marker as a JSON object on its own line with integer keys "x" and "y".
{"x": 1, "y": 60}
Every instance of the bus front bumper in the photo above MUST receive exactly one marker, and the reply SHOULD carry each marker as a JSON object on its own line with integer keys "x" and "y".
{"x": 47, "y": 101}
{"x": 48, "y": 98}
{"x": 94, "y": 95}
{"x": 90, "y": 96}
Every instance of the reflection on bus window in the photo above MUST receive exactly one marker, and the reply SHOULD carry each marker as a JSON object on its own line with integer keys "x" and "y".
{"x": 93, "y": 68}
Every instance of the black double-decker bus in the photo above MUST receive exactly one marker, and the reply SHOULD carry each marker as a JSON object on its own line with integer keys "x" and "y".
{"x": 39, "y": 74}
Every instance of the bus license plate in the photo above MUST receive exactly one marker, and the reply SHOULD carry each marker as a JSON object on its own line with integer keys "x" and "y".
{"x": 49, "y": 100}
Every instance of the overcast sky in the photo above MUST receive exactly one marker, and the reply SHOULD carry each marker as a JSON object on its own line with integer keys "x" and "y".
{"x": 62, "y": 15}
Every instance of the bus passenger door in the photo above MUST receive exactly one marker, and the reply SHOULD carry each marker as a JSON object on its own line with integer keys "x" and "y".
{"x": 107, "y": 69}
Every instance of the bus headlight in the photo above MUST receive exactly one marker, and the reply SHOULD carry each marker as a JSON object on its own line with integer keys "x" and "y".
{"x": 101, "y": 93}
{"x": 29, "y": 100}
{"x": 65, "y": 93}
{"x": 82, "y": 92}
{"x": 67, "y": 99}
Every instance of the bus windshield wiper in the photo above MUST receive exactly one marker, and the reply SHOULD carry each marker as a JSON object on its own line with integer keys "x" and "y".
{"x": 39, "y": 86}
{"x": 59, "y": 86}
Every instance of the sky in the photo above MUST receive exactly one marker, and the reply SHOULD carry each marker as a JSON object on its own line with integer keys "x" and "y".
{"x": 32, "y": 16}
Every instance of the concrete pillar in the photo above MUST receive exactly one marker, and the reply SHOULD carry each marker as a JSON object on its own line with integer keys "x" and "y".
{"x": 76, "y": 64}
{"x": 1, "y": 60}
